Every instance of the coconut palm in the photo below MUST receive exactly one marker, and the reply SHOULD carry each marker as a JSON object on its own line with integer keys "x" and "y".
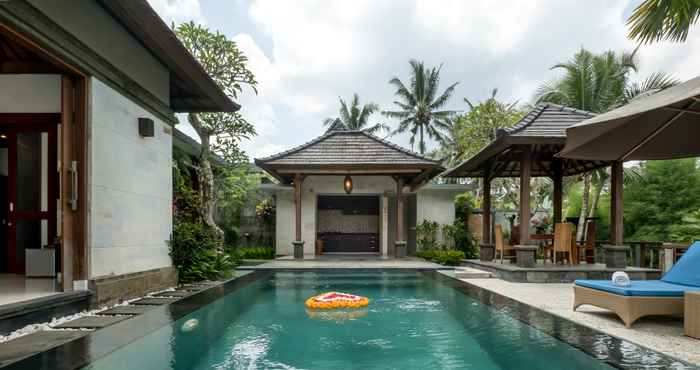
{"x": 356, "y": 117}
{"x": 656, "y": 20}
{"x": 419, "y": 105}
{"x": 598, "y": 83}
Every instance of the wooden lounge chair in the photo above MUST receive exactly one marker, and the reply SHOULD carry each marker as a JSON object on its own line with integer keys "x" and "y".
{"x": 588, "y": 247}
{"x": 505, "y": 251}
{"x": 644, "y": 297}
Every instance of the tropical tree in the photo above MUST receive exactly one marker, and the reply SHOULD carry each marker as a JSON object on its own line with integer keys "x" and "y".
{"x": 598, "y": 83}
{"x": 356, "y": 117}
{"x": 218, "y": 132}
{"x": 419, "y": 105}
{"x": 656, "y": 20}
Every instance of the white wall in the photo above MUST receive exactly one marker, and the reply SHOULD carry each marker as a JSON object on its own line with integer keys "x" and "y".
{"x": 130, "y": 187}
{"x": 436, "y": 205}
{"x": 30, "y": 93}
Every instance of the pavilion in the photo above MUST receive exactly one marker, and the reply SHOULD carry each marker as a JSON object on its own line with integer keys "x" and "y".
{"x": 529, "y": 149}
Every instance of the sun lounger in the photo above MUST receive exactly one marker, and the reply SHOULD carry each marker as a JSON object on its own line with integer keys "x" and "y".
{"x": 644, "y": 297}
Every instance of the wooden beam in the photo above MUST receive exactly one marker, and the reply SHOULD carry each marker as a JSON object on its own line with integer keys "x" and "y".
{"x": 28, "y": 68}
{"x": 558, "y": 181}
{"x": 525, "y": 172}
{"x": 486, "y": 211}
{"x": 349, "y": 171}
{"x": 298, "y": 179}
{"x": 616, "y": 204}
{"x": 399, "y": 210}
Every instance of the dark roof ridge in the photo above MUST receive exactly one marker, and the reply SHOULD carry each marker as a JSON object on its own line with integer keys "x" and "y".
{"x": 535, "y": 113}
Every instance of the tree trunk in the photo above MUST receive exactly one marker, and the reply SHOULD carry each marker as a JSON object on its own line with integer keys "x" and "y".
{"x": 598, "y": 190}
{"x": 422, "y": 143}
{"x": 585, "y": 197}
{"x": 207, "y": 195}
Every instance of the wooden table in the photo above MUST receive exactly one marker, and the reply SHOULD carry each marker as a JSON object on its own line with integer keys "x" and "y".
{"x": 692, "y": 314}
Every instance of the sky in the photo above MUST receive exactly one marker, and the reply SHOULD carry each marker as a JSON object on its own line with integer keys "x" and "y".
{"x": 306, "y": 54}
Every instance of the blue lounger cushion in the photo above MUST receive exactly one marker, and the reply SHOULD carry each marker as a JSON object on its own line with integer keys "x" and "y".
{"x": 683, "y": 277}
{"x": 639, "y": 288}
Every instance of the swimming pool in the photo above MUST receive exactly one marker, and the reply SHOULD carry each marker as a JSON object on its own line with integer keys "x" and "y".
{"x": 415, "y": 320}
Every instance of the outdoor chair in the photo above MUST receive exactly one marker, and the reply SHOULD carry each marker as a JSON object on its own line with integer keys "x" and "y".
{"x": 503, "y": 250}
{"x": 587, "y": 249}
{"x": 563, "y": 243}
{"x": 644, "y": 297}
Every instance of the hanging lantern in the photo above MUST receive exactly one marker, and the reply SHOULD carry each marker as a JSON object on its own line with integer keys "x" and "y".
{"x": 347, "y": 184}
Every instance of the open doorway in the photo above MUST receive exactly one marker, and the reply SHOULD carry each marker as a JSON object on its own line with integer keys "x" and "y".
{"x": 348, "y": 224}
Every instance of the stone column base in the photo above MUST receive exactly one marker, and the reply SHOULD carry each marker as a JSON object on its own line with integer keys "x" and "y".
{"x": 298, "y": 249}
{"x": 525, "y": 255}
{"x": 400, "y": 249}
{"x": 487, "y": 252}
{"x": 616, "y": 256}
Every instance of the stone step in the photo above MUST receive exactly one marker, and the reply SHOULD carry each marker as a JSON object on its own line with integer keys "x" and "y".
{"x": 91, "y": 322}
{"x": 126, "y": 310}
{"x": 154, "y": 301}
{"x": 175, "y": 293}
{"x": 40, "y": 341}
{"x": 471, "y": 273}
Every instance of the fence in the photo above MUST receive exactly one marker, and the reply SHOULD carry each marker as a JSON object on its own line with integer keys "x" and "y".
{"x": 642, "y": 253}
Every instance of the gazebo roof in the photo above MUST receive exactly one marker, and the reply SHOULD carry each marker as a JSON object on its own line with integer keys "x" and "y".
{"x": 543, "y": 131}
{"x": 343, "y": 151}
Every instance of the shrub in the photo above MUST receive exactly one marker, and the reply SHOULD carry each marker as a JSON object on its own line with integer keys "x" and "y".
{"x": 426, "y": 234}
{"x": 196, "y": 253}
{"x": 443, "y": 257}
{"x": 256, "y": 253}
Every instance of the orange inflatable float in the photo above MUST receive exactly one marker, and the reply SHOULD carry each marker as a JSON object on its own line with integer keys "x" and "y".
{"x": 333, "y": 300}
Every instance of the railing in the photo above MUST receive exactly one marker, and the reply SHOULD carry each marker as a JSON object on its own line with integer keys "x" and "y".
{"x": 642, "y": 253}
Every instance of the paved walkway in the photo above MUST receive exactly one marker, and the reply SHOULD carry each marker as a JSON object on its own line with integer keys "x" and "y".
{"x": 345, "y": 263}
{"x": 662, "y": 334}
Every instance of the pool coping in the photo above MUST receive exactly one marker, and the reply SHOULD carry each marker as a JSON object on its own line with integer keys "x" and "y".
{"x": 562, "y": 328}
{"x": 83, "y": 351}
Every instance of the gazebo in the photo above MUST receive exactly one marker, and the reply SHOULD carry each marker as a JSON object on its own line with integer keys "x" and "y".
{"x": 529, "y": 149}
{"x": 332, "y": 163}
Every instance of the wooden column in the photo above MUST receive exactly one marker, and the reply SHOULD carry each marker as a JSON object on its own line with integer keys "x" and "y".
{"x": 399, "y": 210}
{"x": 525, "y": 175}
{"x": 616, "y": 204}
{"x": 297, "y": 206}
{"x": 486, "y": 212}
{"x": 558, "y": 181}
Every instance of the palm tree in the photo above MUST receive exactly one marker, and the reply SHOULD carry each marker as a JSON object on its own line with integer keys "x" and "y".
{"x": 598, "y": 83}
{"x": 419, "y": 105}
{"x": 357, "y": 118}
{"x": 656, "y": 20}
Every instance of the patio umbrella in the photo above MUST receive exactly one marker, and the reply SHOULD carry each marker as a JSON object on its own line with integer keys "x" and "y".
{"x": 665, "y": 125}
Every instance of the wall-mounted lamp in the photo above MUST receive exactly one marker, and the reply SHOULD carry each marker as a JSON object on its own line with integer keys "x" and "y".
{"x": 146, "y": 127}
{"x": 347, "y": 184}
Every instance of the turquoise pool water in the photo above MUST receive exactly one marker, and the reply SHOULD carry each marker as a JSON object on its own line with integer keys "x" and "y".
{"x": 413, "y": 322}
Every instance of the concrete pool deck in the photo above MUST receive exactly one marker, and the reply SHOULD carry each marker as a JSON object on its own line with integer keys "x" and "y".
{"x": 289, "y": 263}
{"x": 662, "y": 334}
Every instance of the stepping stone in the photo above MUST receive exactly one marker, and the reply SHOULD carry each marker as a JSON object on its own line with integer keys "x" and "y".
{"x": 125, "y": 310}
{"x": 181, "y": 293}
{"x": 154, "y": 301}
{"x": 471, "y": 273}
{"x": 91, "y": 322}
{"x": 30, "y": 344}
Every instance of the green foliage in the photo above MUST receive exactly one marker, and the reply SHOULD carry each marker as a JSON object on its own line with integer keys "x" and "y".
{"x": 689, "y": 229}
{"x": 196, "y": 253}
{"x": 356, "y": 117}
{"x": 419, "y": 105}
{"x": 461, "y": 237}
{"x": 426, "y": 234}
{"x": 656, "y": 20}
{"x": 235, "y": 185}
{"x": 443, "y": 257}
{"x": 476, "y": 128}
{"x": 464, "y": 205}
{"x": 256, "y": 253}
{"x": 667, "y": 194}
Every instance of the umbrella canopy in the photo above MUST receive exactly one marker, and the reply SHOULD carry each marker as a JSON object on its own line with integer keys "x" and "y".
{"x": 665, "y": 125}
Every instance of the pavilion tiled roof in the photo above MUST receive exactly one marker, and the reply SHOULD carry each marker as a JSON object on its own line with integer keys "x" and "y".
{"x": 543, "y": 129}
{"x": 340, "y": 147}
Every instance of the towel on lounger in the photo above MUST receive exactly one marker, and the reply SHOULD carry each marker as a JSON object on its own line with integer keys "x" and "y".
{"x": 620, "y": 278}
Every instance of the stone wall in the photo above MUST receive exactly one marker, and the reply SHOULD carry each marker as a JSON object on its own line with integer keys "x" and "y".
{"x": 110, "y": 290}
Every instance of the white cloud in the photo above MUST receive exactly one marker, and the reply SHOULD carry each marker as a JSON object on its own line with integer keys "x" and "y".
{"x": 325, "y": 49}
{"x": 178, "y": 10}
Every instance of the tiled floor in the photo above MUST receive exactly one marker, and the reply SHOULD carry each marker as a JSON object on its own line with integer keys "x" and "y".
{"x": 663, "y": 334}
{"x": 17, "y": 288}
